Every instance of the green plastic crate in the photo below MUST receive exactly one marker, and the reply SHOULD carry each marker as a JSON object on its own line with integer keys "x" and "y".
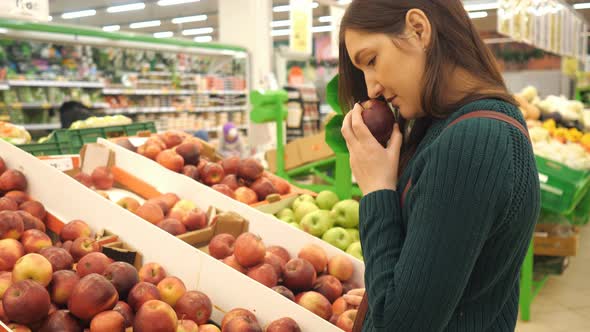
{"x": 47, "y": 149}
{"x": 562, "y": 188}
{"x": 581, "y": 214}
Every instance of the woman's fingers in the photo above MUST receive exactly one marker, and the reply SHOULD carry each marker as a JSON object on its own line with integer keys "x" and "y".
{"x": 395, "y": 142}
{"x": 346, "y": 130}
{"x": 358, "y": 125}
{"x": 354, "y": 300}
{"x": 356, "y": 291}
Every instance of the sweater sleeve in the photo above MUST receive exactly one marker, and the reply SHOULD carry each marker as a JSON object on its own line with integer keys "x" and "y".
{"x": 415, "y": 277}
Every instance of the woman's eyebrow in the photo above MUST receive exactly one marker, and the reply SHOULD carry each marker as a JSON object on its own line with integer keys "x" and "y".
{"x": 357, "y": 56}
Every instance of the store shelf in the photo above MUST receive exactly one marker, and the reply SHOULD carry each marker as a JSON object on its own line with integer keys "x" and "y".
{"x": 171, "y": 109}
{"x": 4, "y": 86}
{"x": 154, "y": 82}
{"x": 216, "y": 129}
{"x": 220, "y": 109}
{"x": 57, "y": 84}
{"x": 41, "y": 126}
{"x": 223, "y": 92}
{"x": 45, "y": 106}
{"x": 145, "y": 92}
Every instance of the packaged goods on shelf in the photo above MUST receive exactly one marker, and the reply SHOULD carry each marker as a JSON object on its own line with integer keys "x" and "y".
{"x": 14, "y": 134}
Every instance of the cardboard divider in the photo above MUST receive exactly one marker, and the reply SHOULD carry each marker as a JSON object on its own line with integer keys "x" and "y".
{"x": 66, "y": 199}
{"x": 272, "y": 231}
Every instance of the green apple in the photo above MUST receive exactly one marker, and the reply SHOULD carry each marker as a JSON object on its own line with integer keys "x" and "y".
{"x": 296, "y": 225}
{"x": 302, "y": 199}
{"x": 346, "y": 213}
{"x": 285, "y": 212}
{"x": 317, "y": 222}
{"x": 354, "y": 233}
{"x": 355, "y": 250}
{"x": 287, "y": 219}
{"x": 326, "y": 200}
{"x": 303, "y": 209}
{"x": 338, "y": 237}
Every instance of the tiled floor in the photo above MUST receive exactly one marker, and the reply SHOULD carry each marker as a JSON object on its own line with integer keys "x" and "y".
{"x": 563, "y": 305}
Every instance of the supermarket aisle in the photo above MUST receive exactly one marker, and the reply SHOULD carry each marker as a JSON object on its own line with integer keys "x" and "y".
{"x": 564, "y": 303}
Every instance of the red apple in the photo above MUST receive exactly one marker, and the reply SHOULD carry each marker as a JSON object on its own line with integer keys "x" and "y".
{"x": 52, "y": 309}
{"x": 211, "y": 174}
{"x": 62, "y": 286}
{"x": 240, "y": 324}
{"x": 150, "y": 149}
{"x": 170, "y": 199}
{"x": 231, "y": 165}
{"x": 34, "y": 240}
{"x": 286, "y": 292}
{"x": 189, "y": 152}
{"x": 18, "y": 328}
{"x": 151, "y": 212}
{"x": 171, "y": 139}
{"x": 187, "y": 326}
{"x": 316, "y": 303}
{"x": 18, "y": 196}
{"x": 31, "y": 222}
{"x": 82, "y": 246}
{"x": 195, "y": 219}
{"x": 224, "y": 189}
{"x": 346, "y": 320}
{"x": 249, "y": 250}
{"x": 202, "y": 163}
{"x": 328, "y": 286}
{"x": 284, "y": 324}
{"x": 282, "y": 186}
{"x": 5, "y": 282}
{"x": 191, "y": 171}
{"x": 171, "y": 160}
{"x": 2, "y": 166}
{"x": 161, "y": 203}
{"x": 316, "y": 255}
{"x": 231, "y": 180}
{"x": 8, "y": 204}
{"x": 208, "y": 328}
{"x": 339, "y": 306}
{"x": 35, "y": 208}
{"x": 250, "y": 169}
{"x": 84, "y": 179}
{"x": 152, "y": 273}
{"x": 75, "y": 229}
{"x": 93, "y": 294}
{"x": 276, "y": 262}
{"x": 222, "y": 246}
{"x": 94, "y": 262}
{"x": 2, "y": 314}
{"x": 340, "y": 267}
{"x": 195, "y": 306}
{"x": 129, "y": 203}
{"x": 379, "y": 119}
{"x": 264, "y": 274}
{"x": 12, "y": 180}
{"x": 34, "y": 267}
{"x": 155, "y": 316}
{"x": 141, "y": 293}
{"x": 67, "y": 245}
{"x": 125, "y": 310}
{"x": 172, "y": 226}
{"x": 108, "y": 321}
{"x": 246, "y": 195}
{"x": 62, "y": 321}
{"x": 171, "y": 289}
{"x": 102, "y": 178}
{"x": 233, "y": 263}
{"x": 281, "y": 252}
{"x": 59, "y": 258}
{"x": 26, "y": 302}
{"x": 123, "y": 276}
{"x": 237, "y": 313}
{"x": 263, "y": 188}
{"x": 299, "y": 275}
{"x": 11, "y": 225}
{"x": 10, "y": 251}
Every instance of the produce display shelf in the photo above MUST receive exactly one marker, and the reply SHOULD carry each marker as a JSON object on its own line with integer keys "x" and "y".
{"x": 4, "y": 86}
{"x": 143, "y": 110}
{"x": 45, "y": 105}
{"x": 215, "y": 129}
{"x": 223, "y": 92}
{"x": 58, "y": 84}
{"x": 562, "y": 187}
{"x": 154, "y": 81}
{"x": 140, "y": 92}
{"x": 41, "y": 126}
{"x": 221, "y": 109}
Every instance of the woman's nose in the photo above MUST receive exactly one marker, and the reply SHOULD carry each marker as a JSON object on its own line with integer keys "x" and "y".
{"x": 374, "y": 90}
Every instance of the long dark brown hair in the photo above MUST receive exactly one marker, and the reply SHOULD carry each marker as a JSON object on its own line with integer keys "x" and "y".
{"x": 455, "y": 43}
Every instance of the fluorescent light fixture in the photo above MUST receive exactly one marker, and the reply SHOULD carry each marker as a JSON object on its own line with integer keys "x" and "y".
{"x": 344, "y": 2}
{"x": 198, "y": 31}
{"x": 175, "y": 2}
{"x": 280, "y": 32}
{"x": 286, "y": 8}
{"x": 482, "y": 6}
{"x": 3, "y": 30}
{"x": 146, "y": 24}
{"x": 475, "y": 15}
{"x": 203, "y": 39}
{"x": 50, "y": 18}
{"x": 278, "y": 24}
{"x": 286, "y": 32}
{"x": 323, "y": 28}
{"x": 111, "y": 28}
{"x": 126, "y": 8}
{"x": 583, "y": 5}
{"x": 163, "y": 34}
{"x": 186, "y": 19}
{"x": 325, "y": 19}
{"x": 78, "y": 14}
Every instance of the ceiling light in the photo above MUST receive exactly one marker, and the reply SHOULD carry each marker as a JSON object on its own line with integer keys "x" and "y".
{"x": 278, "y": 24}
{"x": 126, "y": 8}
{"x": 482, "y": 6}
{"x": 186, "y": 19}
{"x": 81, "y": 13}
{"x": 146, "y": 24}
{"x": 344, "y": 2}
{"x": 50, "y": 18}
{"x": 281, "y": 32}
{"x": 163, "y": 34}
{"x": 325, "y": 19}
{"x": 175, "y": 2}
{"x": 3, "y": 30}
{"x": 475, "y": 15}
{"x": 323, "y": 28}
{"x": 111, "y": 28}
{"x": 203, "y": 39}
{"x": 286, "y": 8}
{"x": 198, "y": 31}
{"x": 583, "y": 5}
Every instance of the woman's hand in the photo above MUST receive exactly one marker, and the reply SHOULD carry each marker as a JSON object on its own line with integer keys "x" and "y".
{"x": 374, "y": 167}
{"x": 354, "y": 297}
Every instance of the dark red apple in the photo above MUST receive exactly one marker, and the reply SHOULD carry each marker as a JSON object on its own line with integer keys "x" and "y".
{"x": 284, "y": 324}
{"x": 328, "y": 286}
{"x": 170, "y": 199}
{"x": 195, "y": 306}
{"x": 18, "y": 196}
{"x": 222, "y": 246}
{"x": 102, "y": 178}
{"x": 280, "y": 252}
{"x": 62, "y": 321}
{"x": 141, "y": 293}
{"x": 286, "y": 292}
{"x": 31, "y": 222}
{"x": 211, "y": 174}
{"x": 82, "y": 246}
{"x": 94, "y": 262}
{"x": 189, "y": 152}
{"x": 161, "y": 203}
{"x": 11, "y": 180}
{"x": 231, "y": 165}
{"x": 11, "y": 225}
{"x": 123, "y": 276}
{"x": 62, "y": 286}
{"x": 195, "y": 219}
{"x": 191, "y": 171}
{"x": 379, "y": 119}
{"x": 34, "y": 240}
{"x": 171, "y": 160}
{"x": 299, "y": 275}
{"x": 276, "y": 262}
{"x": 152, "y": 273}
{"x": 59, "y": 258}
{"x": 250, "y": 169}
{"x": 233, "y": 263}
{"x": 264, "y": 274}
{"x": 172, "y": 226}
{"x": 26, "y": 302}
{"x": 237, "y": 313}
{"x": 263, "y": 188}
{"x": 249, "y": 250}
{"x": 75, "y": 229}
{"x": 171, "y": 139}
{"x": 93, "y": 294}
{"x": 84, "y": 179}
{"x": 8, "y": 204}
{"x": 242, "y": 324}
{"x": 125, "y": 310}
{"x": 224, "y": 189}
{"x": 283, "y": 187}
{"x": 34, "y": 208}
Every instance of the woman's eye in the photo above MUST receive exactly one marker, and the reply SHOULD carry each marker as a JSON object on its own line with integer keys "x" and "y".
{"x": 372, "y": 62}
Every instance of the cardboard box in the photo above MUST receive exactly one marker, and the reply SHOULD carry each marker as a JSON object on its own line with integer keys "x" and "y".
{"x": 547, "y": 245}
{"x": 67, "y": 199}
{"x": 266, "y": 226}
{"x": 301, "y": 151}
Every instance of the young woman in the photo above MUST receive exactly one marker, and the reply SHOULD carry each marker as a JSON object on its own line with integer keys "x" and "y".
{"x": 450, "y": 205}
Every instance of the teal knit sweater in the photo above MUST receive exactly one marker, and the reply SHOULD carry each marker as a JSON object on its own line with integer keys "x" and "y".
{"x": 449, "y": 259}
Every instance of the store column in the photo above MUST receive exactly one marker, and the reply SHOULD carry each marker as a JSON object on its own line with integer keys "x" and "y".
{"x": 247, "y": 24}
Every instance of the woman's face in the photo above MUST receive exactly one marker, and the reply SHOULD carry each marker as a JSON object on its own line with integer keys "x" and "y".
{"x": 392, "y": 71}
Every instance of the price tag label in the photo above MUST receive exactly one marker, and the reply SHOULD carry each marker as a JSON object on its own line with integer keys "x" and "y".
{"x": 62, "y": 164}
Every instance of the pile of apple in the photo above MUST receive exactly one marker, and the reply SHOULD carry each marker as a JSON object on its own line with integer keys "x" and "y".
{"x": 328, "y": 218}
{"x": 241, "y": 179}
{"x": 311, "y": 279}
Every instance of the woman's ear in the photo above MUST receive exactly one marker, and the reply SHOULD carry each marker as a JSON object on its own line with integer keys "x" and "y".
{"x": 418, "y": 24}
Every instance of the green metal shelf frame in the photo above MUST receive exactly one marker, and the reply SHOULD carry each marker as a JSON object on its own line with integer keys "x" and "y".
{"x": 529, "y": 287}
